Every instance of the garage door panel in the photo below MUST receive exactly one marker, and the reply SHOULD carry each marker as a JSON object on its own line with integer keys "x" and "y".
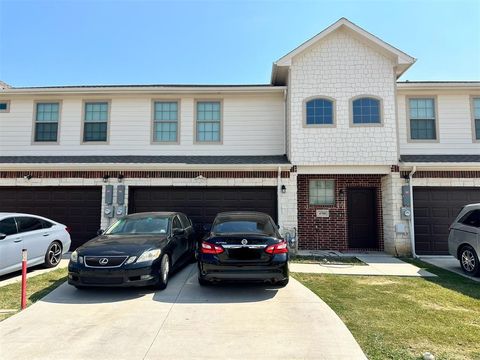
{"x": 77, "y": 207}
{"x": 203, "y": 204}
{"x": 435, "y": 210}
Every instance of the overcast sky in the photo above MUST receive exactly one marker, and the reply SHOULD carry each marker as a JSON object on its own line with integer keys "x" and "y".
{"x": 73, "y": 42}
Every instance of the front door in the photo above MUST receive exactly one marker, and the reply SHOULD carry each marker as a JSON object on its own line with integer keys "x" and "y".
{"x": 362, "y": 218}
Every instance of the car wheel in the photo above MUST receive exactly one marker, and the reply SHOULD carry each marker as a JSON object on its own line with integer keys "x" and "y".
{"x": 203, "y": 282}
{"x": 469, "y": 261}
{"x": 164, "y": 272}
{"x": 53, "y": 255}
{"x": 282, "y": 283}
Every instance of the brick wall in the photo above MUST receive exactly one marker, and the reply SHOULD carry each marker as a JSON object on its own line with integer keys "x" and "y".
{"x": 332, "y": 233}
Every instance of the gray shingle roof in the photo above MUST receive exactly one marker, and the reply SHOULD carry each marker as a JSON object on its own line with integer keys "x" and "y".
{"x": 440, "y": 158}
{"x": 138, "y": 159}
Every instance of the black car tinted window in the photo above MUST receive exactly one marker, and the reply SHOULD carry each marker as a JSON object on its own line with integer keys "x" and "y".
{"x": 243, "y": 225}
{"x": 184, "y": 220}
{"x": 147, "y": 225}
{"x": 25, "y": 224}
{"x": 8, "y": 226}
{"x": 472, "y": 218}
{"x": 176, "y": 223}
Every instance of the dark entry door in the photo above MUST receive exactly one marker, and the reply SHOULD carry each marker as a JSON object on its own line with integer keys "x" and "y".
{"x": 362, "y": 218}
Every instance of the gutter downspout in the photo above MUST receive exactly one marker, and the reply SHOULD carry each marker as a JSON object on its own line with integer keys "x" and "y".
{"x": 412, "y": 224}
{"x": 279, "y": 192}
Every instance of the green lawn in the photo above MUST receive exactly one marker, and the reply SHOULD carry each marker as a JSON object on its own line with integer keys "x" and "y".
{"x": 37, "y": 287}
{"x": 401, "y": 318}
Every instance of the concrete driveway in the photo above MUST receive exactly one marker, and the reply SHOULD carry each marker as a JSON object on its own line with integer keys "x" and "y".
{"x": 448, "y": 263}
{"x": 185, "y": 321}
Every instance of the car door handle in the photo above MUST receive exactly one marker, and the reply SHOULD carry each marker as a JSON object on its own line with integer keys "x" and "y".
{"x": 17, "y": 240}
{"x": 46, "y": 234}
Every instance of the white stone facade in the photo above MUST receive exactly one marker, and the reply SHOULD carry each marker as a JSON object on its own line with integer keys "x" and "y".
{"x": 341, "y": 67}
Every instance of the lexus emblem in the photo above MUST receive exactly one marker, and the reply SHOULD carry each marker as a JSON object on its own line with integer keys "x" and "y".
{"x": 244, "y": 242}
{"x": 103, "y": 261}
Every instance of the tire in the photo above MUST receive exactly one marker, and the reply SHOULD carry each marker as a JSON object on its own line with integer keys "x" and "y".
{"x": 53, "y": 254}
{"x": 469, "y": 261}
{"x": 164, "y": 273}
{"x": 203, "y": 282}
{"x": 282, "y": 283}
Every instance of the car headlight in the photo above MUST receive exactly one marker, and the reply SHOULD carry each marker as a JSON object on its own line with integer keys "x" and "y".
{"x": 74, "y": 257}
{"x": 149, "y": 255}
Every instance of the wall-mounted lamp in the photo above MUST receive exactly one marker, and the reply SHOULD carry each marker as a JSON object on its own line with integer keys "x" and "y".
{"x": 120, "y": 177}
{"x": 284, "y": 189}
{"x": 28, "y": 176}
{"x": 106, "y": 177}
{"x": 341, "y": 193}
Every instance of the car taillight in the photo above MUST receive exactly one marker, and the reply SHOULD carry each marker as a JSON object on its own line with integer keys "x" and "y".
{"x": 208, "y": 248}
{"x": 67, "y": 229}
{"x": 280, "y": 248}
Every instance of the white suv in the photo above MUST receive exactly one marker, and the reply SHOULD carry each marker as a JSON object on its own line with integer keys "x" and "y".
{"x": 464, "y": 239}
{"x": 45, "y": 240}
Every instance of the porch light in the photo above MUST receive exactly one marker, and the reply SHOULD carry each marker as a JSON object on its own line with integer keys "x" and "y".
{"x": 106, "y": 177}
{"x": 284, "y": 189}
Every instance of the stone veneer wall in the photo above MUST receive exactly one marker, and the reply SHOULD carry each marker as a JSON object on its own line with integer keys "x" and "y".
{"x": 341, "y": 67}
{"x": 332, "y": 233}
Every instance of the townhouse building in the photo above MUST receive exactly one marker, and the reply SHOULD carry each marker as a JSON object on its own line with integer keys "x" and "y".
{"x": 334, "y": 148}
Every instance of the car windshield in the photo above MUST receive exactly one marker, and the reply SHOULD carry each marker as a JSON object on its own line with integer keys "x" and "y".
{"x": 144, "y": 225}
{"x": 243, "y": 225}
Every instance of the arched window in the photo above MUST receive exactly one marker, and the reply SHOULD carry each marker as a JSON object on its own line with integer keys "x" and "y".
{"x": 366, "y": 110}
{"x": 319, "y": 111}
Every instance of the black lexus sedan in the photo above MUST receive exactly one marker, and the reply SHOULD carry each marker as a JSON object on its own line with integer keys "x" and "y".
{"x": 137, "y": 250}
{"x": 243, "y": 246}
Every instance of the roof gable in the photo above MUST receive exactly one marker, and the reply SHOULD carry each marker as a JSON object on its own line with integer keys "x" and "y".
{"x": 403, "y": 60}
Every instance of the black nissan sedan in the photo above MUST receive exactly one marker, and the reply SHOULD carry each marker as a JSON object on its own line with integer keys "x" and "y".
{"x": 137, "y": 250}
{"x": 243, "y": 246}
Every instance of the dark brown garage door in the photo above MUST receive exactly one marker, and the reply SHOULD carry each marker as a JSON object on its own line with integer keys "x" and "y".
{"x": 202, "y": 204}
{"x": 435, "y": 208}
{"x": 77, "y": 207}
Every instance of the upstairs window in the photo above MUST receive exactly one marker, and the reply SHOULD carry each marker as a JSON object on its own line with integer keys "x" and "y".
{"x": 422, "y": 119}
{"x": 46, "y": 121}
{"x": 4, "y": 106}
{"x": 95, "y": 126}
{"x": 476, "y": 118}
{"x": 209, "y": 122}
{"x": 319, "y": 112}
{"x": 165, "y": 121}
{"x": 366, "y": 110}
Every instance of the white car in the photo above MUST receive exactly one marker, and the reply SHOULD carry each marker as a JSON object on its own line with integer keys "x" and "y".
{"x": 45, "y": 240}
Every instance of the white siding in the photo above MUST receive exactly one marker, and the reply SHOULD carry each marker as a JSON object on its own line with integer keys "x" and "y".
{"x": 342, "y": 67}
{"x": 455, "y": 132}
{"x": 252, "y": 125}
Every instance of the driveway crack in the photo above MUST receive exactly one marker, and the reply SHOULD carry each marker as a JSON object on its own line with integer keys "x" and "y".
{"x": 168, "y": 313}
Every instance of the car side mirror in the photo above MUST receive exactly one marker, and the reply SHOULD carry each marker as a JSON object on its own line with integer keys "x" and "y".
{"x": 178, "y": 231}
{"x": 2, "y": 236}
{"x": 100, "y": 232}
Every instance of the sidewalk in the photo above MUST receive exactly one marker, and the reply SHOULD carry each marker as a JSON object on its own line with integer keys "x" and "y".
{"x": 377, "y": 264}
